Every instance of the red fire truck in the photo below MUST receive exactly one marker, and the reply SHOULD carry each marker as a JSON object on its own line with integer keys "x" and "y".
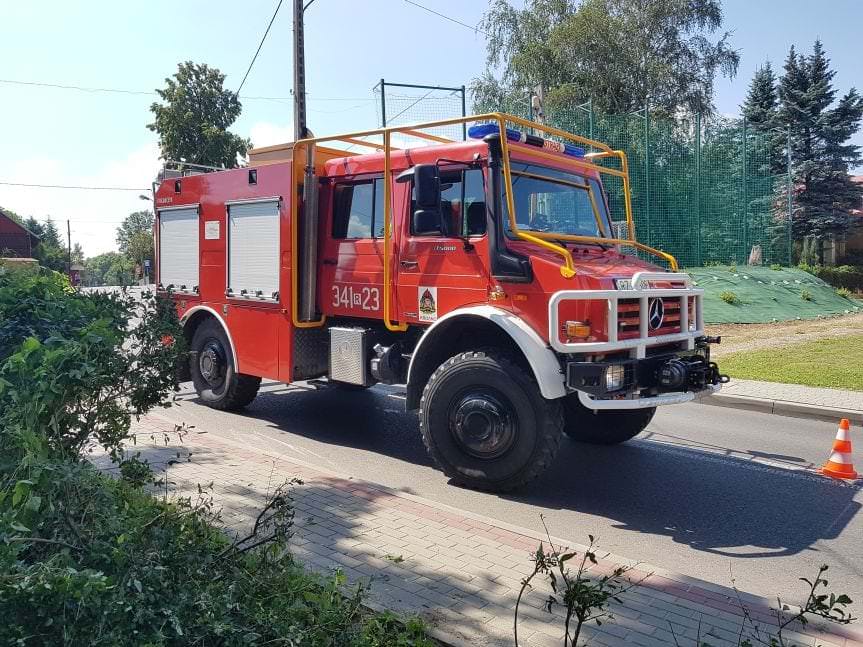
{"x": 484, "y": 274}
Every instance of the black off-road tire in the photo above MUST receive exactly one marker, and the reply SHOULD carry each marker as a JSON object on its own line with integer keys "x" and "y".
{"x": 603, "y": 427}
{"x": 226, "y": 390}
{"x": 464, "y": 397}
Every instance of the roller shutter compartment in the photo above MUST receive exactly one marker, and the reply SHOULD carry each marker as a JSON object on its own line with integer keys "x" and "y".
{"x": 178, "y": 248}
{"x": 253, "y": 249}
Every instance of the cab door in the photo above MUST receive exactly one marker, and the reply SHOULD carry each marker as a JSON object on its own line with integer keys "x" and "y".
{"x": 446, "y": 268}
{"x": 351, "y": 257}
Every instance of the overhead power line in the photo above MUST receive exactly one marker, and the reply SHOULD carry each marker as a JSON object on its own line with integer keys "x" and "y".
{"x": 70, "y": 186}
{"x": 261, "y": 44}
{"x": 445, "y": 17}
{"x": 81, "y": 88}
{"x": 73, "y": 87}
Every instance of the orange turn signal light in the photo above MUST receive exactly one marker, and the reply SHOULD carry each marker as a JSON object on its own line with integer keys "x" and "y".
{"x": 577, "y": 329}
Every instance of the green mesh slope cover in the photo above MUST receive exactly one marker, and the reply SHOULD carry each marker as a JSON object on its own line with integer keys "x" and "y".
{"x": 765, "y": 295}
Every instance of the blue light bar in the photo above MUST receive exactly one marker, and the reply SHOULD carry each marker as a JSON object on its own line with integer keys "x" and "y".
{"x": 482, "y": 130}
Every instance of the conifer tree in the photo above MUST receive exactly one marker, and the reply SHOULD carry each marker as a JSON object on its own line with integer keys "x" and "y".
{"x": 820, "y": 148}
{"x": 761, "y": 111}
{"x": 760, "y": 106}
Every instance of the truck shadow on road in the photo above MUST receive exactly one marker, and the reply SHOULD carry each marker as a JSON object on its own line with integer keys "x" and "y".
{"x": 720, "y": 504}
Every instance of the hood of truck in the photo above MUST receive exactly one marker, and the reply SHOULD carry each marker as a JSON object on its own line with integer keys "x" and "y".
{"x": 595, "y": 268}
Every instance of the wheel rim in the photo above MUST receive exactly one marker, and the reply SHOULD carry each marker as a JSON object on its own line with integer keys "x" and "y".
{"x": 212, "y": 363}
{"x": 482, "y": 423}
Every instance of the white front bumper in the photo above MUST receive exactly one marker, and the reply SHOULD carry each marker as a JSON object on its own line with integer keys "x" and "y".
{"x": 637, "y": 346}
{"x": 644, "y": 403}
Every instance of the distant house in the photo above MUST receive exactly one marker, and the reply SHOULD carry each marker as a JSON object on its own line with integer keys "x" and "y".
{"x": 854, "y": 240}
{"x": 16, "y": 241}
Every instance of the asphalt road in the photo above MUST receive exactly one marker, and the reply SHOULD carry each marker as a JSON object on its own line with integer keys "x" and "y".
{"x": 710, "y": 492}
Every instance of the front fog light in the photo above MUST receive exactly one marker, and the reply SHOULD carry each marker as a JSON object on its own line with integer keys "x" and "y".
{"x": 614, "y": 377}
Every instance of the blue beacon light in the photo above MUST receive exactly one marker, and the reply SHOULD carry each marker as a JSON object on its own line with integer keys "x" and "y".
{"x": 483, "y": 130}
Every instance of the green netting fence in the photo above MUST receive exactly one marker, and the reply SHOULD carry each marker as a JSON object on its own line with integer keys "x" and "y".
{"x": 702, "y": 188}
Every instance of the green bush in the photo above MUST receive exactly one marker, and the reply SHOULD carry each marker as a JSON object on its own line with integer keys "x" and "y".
{"x": 85, "y": 559}
{"x": 90, "y": 560}
{"x": 839, "y": 276}
{"x": 76, "y": 367}
{"x": 729, "y": 297}
{"x": 805, "y": 294}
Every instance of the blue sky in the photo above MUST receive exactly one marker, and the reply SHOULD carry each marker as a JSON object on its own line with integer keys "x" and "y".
{"x": 55, "y": 136}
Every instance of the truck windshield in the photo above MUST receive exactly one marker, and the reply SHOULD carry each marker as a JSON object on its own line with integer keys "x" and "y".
{"x": 552, "y": 201}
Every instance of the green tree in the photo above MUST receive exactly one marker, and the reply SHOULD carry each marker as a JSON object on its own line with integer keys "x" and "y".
{"x": 622, "y": 55}
{"x": 761, "y": 111}
{"x": 110, "y": 268}
{"x": 50, "y": 252}
{"x": 135, "y": 238}
{"x": 820, "y": 144}
{"x": 193, "y": 121}
{"x": 77, "y": 254}
{"x": 762, "y": 101}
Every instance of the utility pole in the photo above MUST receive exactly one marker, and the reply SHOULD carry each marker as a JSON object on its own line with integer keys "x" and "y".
{"x": 309, "y": 220}
{"x": 68, "y": 249}
{"x": 299, "y": 73}
{"x": 537, "y": 104}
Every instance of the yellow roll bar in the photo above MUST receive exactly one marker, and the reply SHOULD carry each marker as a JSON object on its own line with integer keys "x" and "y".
{"x": 543, "y": 239}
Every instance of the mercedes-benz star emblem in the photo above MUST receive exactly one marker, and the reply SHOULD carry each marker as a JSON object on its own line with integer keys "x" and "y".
{"x": 655, "y": 313}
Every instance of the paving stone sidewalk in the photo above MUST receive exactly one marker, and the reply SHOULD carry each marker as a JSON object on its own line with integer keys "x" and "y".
{"x": 459, "y": 571}
{"x": 791, "y": 399}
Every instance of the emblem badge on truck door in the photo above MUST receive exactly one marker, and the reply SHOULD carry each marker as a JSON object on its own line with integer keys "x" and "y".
{"x": 655, "y": 313}
{"x": 427, "y": 298}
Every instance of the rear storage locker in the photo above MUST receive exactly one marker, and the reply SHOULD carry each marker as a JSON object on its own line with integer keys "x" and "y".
{"x": 178, "y": 248}
{"x": 253, "y": 249}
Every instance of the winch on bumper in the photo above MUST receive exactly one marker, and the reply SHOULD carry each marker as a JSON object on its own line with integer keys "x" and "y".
{"x": 653, "y": 368}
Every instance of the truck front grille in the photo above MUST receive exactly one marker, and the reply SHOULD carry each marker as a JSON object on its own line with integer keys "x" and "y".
{"x": 628, "y": 311}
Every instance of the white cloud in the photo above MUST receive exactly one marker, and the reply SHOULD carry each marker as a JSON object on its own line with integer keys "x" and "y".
{"x": 94, "y": 214}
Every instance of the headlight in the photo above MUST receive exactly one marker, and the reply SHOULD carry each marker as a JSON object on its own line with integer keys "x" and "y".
{"x": 615, "y": 377}
{"x": 577, "y": 329}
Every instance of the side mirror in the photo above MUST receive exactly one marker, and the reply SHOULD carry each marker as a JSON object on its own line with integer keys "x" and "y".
{"x": 426, "y": 221}
{"x": 427, "y": 186}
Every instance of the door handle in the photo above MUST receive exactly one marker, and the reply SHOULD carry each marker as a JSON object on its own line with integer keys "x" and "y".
{"x": 409, "y": 265}
{"x": 329, "y": 261}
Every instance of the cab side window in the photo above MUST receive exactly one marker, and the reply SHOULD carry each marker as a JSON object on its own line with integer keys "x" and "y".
{"x": 358, "y": 210}
{"x": 463, "y": 207}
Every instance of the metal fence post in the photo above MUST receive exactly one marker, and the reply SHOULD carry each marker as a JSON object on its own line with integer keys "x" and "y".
{"x": 463, "y": 113}
{"x": 790, "y": 195}
{"x": 647, "y": 173}
{"x": 698, "y": 187}
{"x": 745, "y": 259}
{"x": 383, "y": 104}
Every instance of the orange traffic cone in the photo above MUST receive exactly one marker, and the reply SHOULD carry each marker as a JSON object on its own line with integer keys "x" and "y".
{"x": 839, "y": 464}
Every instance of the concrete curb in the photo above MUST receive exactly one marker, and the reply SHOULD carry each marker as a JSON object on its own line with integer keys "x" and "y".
{"x": 784, "y": 408}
